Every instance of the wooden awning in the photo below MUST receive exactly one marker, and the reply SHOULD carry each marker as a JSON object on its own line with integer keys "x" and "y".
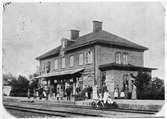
{"x": 61, "y": 73}
{"x": 127, "y": 67}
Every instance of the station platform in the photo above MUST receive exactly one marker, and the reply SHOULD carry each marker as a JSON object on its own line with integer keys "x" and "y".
{"x": 145, "y": 105}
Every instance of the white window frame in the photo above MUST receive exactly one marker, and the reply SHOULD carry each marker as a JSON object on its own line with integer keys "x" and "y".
{"x": 89, "y": 57}
{"x": 63, "y": 43}
{"x": 81, "y": 59}
{"x": 56, "y": 64}
{"x": 71, "y": 61}
{"x": 125, "y": 58}
{"x": 63, "y": 62}
{"x": 118, "y": 58}
{"x": 43, "y": 68}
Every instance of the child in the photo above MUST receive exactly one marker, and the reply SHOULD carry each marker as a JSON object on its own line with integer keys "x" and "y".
{"x": 122, "y": 95}
{"x": 116, "y": 92}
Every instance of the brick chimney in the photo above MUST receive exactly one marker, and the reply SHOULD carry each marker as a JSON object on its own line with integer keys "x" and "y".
{"x": 74, "y": 34}
{"x": 97, "y": 26}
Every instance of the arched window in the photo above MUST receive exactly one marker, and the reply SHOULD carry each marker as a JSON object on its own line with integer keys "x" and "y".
{"x": 48, "y": 68}
{"x": 118, "y": 58}
{"x": 71, "y": 61}
{"x": 63, "y": 62}
{"x": 56, "y": 64}
{"x": 80, "y": 59}
{"x": 125, "y": 58}
{"x": 89, "y": 57}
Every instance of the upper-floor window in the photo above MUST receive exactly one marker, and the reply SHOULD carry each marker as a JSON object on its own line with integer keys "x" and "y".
{"x": 125, "y": 58}
{"x": 43, "y": 68}
{"x": 63, "y": 43}
{"x": 56, "y": 64}
{"x": 118, "y": 58}
{"x": 80, "y": 59}
{"x": 89, "y": 57}
{"x": 48, "y": 67}
{"x": 63, "y": 62}
{"x": 71, "y": 61}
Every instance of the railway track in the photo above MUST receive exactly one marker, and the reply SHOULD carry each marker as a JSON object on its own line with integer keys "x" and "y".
{"x": 68, "y": 110}
{"x": 49, "y": 112}
{"x": 116, "y": 110}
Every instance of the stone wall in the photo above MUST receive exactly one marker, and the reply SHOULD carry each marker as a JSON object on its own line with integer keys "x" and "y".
{"x": 114, "y": 78}
{"x": 107, "y": 55}
{"x": 67, "y": 57}
{"x": 87, "y": 77}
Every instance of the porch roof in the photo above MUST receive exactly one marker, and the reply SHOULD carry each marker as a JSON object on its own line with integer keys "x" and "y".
{"x": 61, "y": 73}
{"x": 124, "y": 67}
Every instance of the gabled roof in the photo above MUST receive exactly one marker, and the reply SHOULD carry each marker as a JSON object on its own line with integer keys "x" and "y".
{"x": 52, "y": 52}
{"x": 102, "y": 37}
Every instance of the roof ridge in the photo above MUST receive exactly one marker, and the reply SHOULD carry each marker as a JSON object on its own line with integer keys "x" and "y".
{"x": 96, "y": 37}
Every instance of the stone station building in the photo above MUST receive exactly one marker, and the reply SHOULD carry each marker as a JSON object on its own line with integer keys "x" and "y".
{"x": 83, "y": 61}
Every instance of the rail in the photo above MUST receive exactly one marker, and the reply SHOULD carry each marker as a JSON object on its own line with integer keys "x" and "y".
{"x": 49, "y": 112}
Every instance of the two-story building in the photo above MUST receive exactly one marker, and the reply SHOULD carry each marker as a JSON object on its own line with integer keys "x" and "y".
{"x": 89, "y": 59}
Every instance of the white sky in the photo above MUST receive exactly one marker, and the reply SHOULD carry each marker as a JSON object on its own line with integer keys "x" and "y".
{"x": 31, "y": 29}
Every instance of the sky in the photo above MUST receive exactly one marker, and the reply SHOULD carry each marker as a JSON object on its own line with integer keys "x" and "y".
{"x": 31, "y": 29}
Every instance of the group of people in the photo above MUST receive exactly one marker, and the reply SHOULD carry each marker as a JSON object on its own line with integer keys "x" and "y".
{"x": 102, "y": 99}
{"x": 40, "y": 92}
{"x": 125, "y": 93}
{"x": 88, "y": 91}
{"x": 107, "y": 98}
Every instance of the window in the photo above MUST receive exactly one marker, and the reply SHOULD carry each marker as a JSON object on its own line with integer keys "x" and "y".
{"x": 71, "y": 61}
{"x": 48, "y": 67}
{"x": 118, "y": 58}
{"x": 56, "y": 64}
{"x": 81, "y": 59}
{"x": 63, "y": 62}
{"x": 63, "y": 43}
{"x": 125, "y": 58}
{"x": 43, "y": 68}
{"x": 89, "y": 57}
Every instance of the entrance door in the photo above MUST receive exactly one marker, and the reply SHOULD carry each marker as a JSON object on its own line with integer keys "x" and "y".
{"x": 126, "y": 86}
{"x": 60, "y": 89}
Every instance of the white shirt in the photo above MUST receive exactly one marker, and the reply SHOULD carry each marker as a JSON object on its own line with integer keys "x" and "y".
{"x": 106, "y": 95}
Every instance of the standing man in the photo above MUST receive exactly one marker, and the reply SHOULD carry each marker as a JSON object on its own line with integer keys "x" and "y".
{"x": 47, "y": 92}
{"x": 89, "y": 90}
{"x": 68, "y": 92}
{"x": 40, "y": 92}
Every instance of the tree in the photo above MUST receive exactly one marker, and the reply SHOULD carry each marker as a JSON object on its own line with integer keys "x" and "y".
{"x": 142, "y": 81}
{"x": 33, "y": 84}
{"x": 147, "y": 88}
{"x": 158, "y": 89}
{"x": 7, "y": 78}
{"x": 19, "y": 86}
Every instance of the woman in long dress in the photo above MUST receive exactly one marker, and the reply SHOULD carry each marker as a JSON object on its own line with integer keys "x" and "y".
{"x": 133, "y": 91}
{"x": 106, "y": 95}
{"x": 116, "y": 92}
